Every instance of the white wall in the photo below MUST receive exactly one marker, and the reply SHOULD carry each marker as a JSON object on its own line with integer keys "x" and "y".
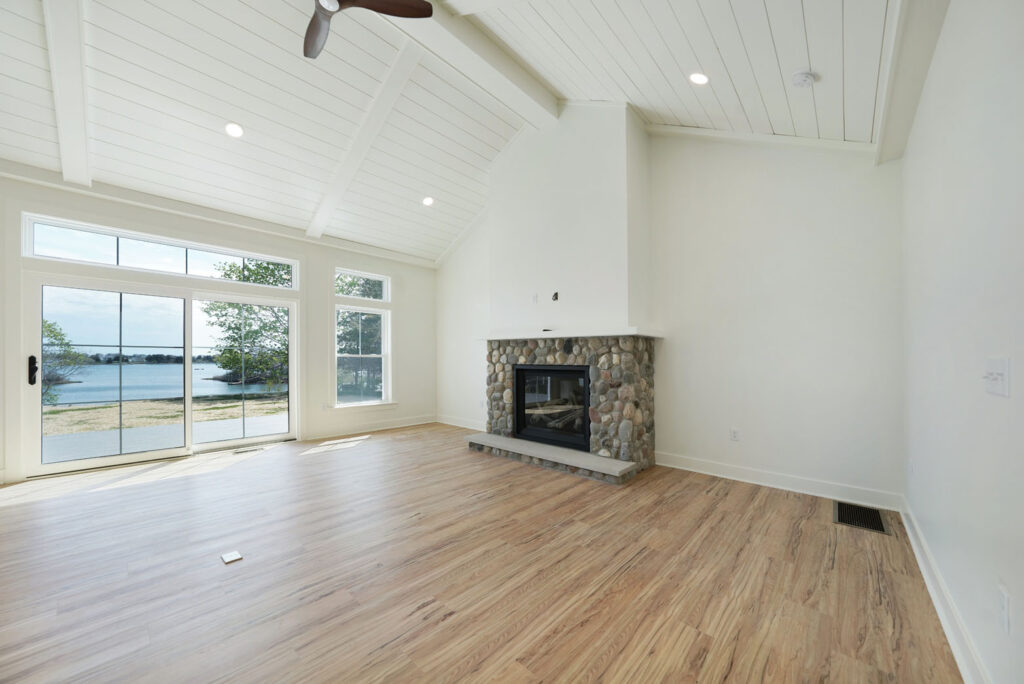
{"x": 557, "y": 213}
{"x": 778, "y": 281}
{"x": 463, "y": 322}
{"x": 775, "y": 277}
{"x": 413, "y": 318}
{"x": 568, "y": 212}
{"x": 964, "y": 216}
{"x": 638, "y": 216}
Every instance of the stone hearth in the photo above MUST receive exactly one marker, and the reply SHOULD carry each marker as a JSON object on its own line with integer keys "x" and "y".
{"x": 621, "y": 394}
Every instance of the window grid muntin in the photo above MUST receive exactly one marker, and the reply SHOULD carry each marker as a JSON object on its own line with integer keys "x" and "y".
{"x": 384, "y": 356}
{"x": 30, "y": 221}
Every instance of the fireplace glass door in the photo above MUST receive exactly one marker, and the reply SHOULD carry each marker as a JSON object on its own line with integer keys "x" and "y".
{"x": 552, "y": 405}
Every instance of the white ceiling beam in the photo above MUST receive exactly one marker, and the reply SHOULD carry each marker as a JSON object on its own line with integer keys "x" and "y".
{"x": 65, "y": 44}
{"x": 917, "y": 33}
{"x": 341, "y": 177}
{"x": 467, "y": 49}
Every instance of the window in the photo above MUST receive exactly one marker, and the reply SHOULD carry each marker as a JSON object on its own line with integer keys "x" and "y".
{"x": 362, "y": 359}
{"x": 362, "y": 338}
{"x": 240, "y": 355}
{"x": 362, "y": 285}
{"x": 113, "y": 374}
{"x": 129, "y": 250}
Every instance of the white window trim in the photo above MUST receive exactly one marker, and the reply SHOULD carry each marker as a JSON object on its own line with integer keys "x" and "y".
{"x": 385, "y": 349}
{"x": 363, "y": 274}
{"x": 28, "y": 221}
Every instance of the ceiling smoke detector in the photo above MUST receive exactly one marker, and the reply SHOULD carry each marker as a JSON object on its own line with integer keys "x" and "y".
{"x": 804, "y": 79}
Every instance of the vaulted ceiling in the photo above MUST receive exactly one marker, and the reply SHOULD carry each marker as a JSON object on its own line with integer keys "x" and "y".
{"x": 643, "y": 51}
{"x": 137, "y": 94}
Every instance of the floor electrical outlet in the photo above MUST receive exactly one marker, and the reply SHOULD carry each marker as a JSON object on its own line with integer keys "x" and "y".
{"x": 231, "y": 557}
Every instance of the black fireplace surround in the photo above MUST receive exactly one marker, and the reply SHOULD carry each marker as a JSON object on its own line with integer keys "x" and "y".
{"x": 552, "y": 405}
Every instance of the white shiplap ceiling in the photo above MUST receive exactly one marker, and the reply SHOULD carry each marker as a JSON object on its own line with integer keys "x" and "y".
{"x": 28, "y": 128}
{"x": 642, "y": 51}
{"x": 162, "y": 79}
{"x": 349, "y": 144}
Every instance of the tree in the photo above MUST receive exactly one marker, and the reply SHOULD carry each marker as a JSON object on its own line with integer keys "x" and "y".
{"x": 351, "y": 285}
{"x": 359, "y": 333}
{"x": 60, "y": 361}
{"x": 253, "y": 342}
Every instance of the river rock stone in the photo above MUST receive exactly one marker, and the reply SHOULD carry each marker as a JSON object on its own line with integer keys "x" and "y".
{"x": 621, "y": 376}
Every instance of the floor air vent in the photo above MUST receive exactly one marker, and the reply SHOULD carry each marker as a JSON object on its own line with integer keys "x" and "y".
{"x": 859, "y": 516}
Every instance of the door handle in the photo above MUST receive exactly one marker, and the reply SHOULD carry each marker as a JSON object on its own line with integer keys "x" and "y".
{"x": 33, "y": 369}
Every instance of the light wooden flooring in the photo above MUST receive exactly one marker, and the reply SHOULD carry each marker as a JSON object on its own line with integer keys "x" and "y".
{"x": 404, "y": 556}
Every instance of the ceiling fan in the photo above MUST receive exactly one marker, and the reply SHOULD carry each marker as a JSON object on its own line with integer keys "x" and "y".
{"x": 320, "y": 24}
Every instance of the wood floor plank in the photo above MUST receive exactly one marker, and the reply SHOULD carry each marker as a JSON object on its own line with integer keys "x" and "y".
{"x": 404, "y": 556}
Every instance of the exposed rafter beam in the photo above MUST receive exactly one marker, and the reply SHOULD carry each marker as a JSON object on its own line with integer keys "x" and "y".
{"x": 458, "y": 42}
{"x": 917, "y": 33}
{"x": 388, "y": 94}
{"x": 65, "y": 43}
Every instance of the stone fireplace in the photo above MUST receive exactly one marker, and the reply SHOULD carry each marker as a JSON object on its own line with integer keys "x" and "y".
{"x": 594, "y": 394}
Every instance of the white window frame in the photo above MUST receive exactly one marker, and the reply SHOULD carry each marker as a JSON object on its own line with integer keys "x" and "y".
{"x": 363, "y": 274}
{"x": 29, "y": 465}
{"x": 370, "y": 306}
{"x": 29, "y": 221}
{"x": 385, "y": 354}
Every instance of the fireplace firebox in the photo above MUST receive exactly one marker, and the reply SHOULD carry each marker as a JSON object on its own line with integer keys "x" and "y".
{"x": 552, "y": 405}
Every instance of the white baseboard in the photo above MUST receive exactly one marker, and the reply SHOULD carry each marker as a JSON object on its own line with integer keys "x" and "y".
{"x": 769, "y": 478}
{"x": 971, "y": 667}
{"x": 467, "y": 423}
{"x": 372, "y": 426}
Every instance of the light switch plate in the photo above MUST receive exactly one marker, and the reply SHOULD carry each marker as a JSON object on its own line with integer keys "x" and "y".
{"x": 231, "y": 557}
{"x": 997, "y": 376}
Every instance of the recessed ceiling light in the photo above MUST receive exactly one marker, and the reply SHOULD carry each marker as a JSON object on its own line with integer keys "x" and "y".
{"x": 698, "y": 79}
{"x": 233, "y": 129}
{"x": 428, "y": 201}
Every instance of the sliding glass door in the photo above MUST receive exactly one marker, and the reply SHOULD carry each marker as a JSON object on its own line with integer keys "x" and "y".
{"x": 239, "y": 370}
{"x": 125, "y": 375}
{"x": 111, "y": 373}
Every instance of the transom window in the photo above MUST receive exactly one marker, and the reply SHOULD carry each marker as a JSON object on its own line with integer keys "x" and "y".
{"x": 362, "y": 285}
{"x": 362, "y": 336}
{"x": 89, "y": 244}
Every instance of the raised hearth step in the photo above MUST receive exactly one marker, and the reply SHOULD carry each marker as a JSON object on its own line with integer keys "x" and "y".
{"x": 569, "y": 457}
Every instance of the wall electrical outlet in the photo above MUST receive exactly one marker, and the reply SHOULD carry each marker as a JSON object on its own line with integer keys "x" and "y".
{"x": 734, "y": 434}
{"x": 997, "y": 376}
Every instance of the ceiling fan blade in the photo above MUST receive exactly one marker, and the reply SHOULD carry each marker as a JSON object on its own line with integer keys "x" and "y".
{"x": 316, "y": 33}
{"x": 411, "y": 9}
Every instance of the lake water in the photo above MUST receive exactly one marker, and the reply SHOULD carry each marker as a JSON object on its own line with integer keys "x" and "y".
{"x": 149, "y": 381}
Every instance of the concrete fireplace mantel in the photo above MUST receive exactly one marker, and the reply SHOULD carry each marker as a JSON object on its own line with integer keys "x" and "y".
{"x": 560, "y": 455}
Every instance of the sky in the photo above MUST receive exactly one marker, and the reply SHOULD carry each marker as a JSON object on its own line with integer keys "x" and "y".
{"x": 93, "y": 318}
{"x": 96, "y": 318}
{"x": 100, "y": 248}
